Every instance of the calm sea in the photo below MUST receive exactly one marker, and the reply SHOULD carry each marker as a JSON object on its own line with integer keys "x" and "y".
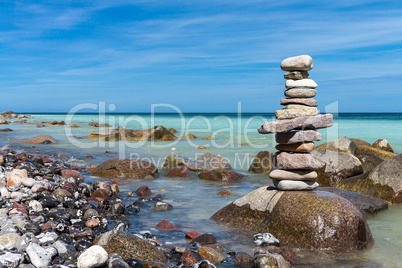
{"x": 234, "y": 137}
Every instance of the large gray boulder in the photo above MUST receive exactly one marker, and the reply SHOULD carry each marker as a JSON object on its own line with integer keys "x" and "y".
{"x": 336, "y": 166}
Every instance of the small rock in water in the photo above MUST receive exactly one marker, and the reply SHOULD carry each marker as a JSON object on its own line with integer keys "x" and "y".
{"x": 289, "y": 185}
{"x": 205, "y": 239}
{"x": 162, "y": 206}
{"x": 165, "y": 225}
{"x": 211, "y": 255}
{"x": 143, "y": 191}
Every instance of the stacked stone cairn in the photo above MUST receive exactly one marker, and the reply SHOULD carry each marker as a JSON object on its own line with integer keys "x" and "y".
{"x": 296, "y": 129}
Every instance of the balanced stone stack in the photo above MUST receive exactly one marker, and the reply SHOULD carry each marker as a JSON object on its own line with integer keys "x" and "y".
{"x": 296, "y": 128}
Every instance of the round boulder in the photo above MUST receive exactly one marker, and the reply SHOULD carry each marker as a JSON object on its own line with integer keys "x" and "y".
{"x": 125, "y": 168}
{"x": 315, "y": 220}
{"x": 262, "y": 163}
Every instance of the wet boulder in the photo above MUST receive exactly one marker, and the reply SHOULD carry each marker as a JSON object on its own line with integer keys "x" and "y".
{"x": 315, "y": 219}
{"x": 41, "y": 139}
{"x": 129, "y": 246}
{"x": 382, "y": 144}
{"x": 375, "y": 151}
{"x": 221, "y": 176}
{"x": 178, "y": 172}
{"x": 125, "y": 168}
{"x": 205, "y": 162}
{"x": 9, "y": 115}
{"x": 384, "y": 181}
{"x": 262, "y": 163}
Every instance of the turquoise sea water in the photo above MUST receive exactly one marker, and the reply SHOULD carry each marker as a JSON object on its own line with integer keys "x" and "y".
{"x": 235, "y": 138}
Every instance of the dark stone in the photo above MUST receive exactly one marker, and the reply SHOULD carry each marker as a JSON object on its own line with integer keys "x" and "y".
{"x": 129, "y": 246}
{"x": 134, "y": 263}
{"x": 205, "y": 239}
{"x": 143, "y": 191}
{"x": 161, "y": 206}
{"x": 243, "y": 258}
{"x": 221, "y": 176}
{"x": 29, "y": 227}
{"x": 189, "y": 258}
{"x": 369, "y": 161}
{"x": 178, "y": 172}
{"x": 117, "y": 207}
{"x": 82, "y": 245}
{"x": 316, "y": 220}
{"x": 366, "y": 204}
{"x": 262, "y": 163}
{"x": 48, "y": 202}
{"x": 126, "y": 168}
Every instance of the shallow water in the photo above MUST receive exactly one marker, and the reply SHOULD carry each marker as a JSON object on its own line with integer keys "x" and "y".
{"x": 194, "y": 200}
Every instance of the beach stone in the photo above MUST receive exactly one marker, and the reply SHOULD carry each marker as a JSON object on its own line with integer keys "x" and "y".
{"x": 301, "y": 101}
{"x": 129, "y": 246}
{"x": 286, "y": 160}
{"x": 343, "y": 144}
{"x": 190, "y": 137}
{"x": 178, "y": 172}
{"x": 3, "y": 121}
{"x": 64, "y": 250}
{"x": 205, "y": 162}
{"x": 369, "y": 161}
{"x": 189, "y": 258}
{"x": 39, "y": 256}
{"x": 63, "y": 193}
{"x": 161, "y": 206}
{"x": 115, "y": 260}
{"x": 153, "y": 264}
{"x": 103, "y": 185}
{"x": 300, "y": 92}
{"x": 297, "y": 136}
{"x": 211, "y": 255}
{"x": 384, "y": 181}
{"x": 15, "y": 177}
{"x": 143, "y": 191}
{"x": 299, "y": 123}
{"x": 295, "y": 110}
{"x": 298, "y": 63}
{"x": 224, "y": 192}
{"x": 296, "y": 147}
{"x": 166, "y": 225}
{"x": 375, "y": 151}
{"x": 270, "y": 260}
{"x": 221, "y": 176}
{"x": 309, "y": 83}
{"x": 262, "y": 162}
{"x": 68, "y": 173}
{"x": 383, "y": 144}
{"x": 320, "y": 220}
{"x": 11, "y": 259}
{"x": 5, "y": 129}
{"x": 366, "y": 204}
{"x": 336, "y": 166}
{"x": 94, "y": 256}
{"x": 242, "y": 258}
{"x": 118, "y": 168}
{"x": 25, "y": 240}
{"x": 41, "y": 139}
{"x": 28, "y": 226}
{"x": 205, "y": 239}
{"x": 9, "y": 240}
{"x": 297, "y": 185}
{"x": 27, "y": 182}
{"x": 192, "y": 234}
{"x": 295, "y": 174}
{"x": 296, "y": 75}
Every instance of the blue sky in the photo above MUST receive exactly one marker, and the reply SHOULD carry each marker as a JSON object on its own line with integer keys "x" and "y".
{"x": 202, "y": 56}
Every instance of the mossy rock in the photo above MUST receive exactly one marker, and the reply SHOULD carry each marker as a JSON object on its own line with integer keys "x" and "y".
{"x": 375, "y": 151}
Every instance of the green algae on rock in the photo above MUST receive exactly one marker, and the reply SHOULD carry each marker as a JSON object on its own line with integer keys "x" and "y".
{"x": 315, "y": 220}
{"x": 129, "y": 246}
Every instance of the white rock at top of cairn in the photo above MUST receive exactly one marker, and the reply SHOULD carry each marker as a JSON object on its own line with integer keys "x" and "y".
{"x": 298, "y": 63}
{"x": 310, "y": 83}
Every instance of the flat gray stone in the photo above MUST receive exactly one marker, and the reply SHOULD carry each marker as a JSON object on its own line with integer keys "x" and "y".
{"x": 297, "y": 136}
{"x": 296, "y": 75}
{"x": 297, "y": 175}
{"x": 298, "y": 63}
{"x": 299, "y": 123}
{"x": 284, "y": 160}
{"x": 309, "y": 83}
{"x": 288, "y": 185}
{"x": 300, "y": 92}
{"x": 302, "y": 101}
{"x": 295, "y": 110}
